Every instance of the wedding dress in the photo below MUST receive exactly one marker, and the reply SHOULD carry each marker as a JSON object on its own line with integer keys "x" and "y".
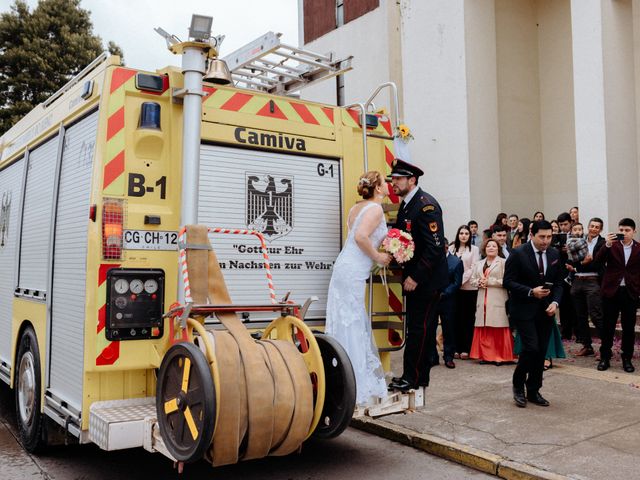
{"x": 347, "y": 319}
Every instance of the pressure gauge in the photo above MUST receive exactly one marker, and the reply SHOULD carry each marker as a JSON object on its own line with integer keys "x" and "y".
{"x": 121, "y": 286}
{"x": 151, "y": 286}
{"x": 121, "y": 302}
{"x": 136, "y": 286}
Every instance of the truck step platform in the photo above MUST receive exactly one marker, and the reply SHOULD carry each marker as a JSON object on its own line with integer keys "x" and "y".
{"x": 120, "y": 424}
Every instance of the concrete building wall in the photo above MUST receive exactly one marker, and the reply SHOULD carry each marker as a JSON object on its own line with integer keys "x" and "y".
{"x": 366, "y": 38}
{"x": 515, "y": 105}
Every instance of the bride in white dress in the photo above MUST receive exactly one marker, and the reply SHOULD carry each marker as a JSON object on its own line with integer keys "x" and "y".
{"x": 347, "y": 319}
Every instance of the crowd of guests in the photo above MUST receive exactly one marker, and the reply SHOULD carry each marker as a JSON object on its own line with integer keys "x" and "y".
{"x": 601, "y": 282}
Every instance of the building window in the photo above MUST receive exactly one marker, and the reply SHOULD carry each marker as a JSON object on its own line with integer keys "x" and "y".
{"x": 339, "y": 13}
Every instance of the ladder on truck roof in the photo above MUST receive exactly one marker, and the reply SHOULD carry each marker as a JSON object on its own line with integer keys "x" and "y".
{"x": 268, "y": 65}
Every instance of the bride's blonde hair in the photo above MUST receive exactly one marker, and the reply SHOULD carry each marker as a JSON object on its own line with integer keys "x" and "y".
{"x": 368, "y": 182}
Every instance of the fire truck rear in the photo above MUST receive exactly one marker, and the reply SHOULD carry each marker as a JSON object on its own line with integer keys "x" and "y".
{"x": 96, "y": 185}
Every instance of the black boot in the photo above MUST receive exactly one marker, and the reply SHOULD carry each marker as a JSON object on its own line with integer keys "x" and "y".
{"x": 518, "y": 397}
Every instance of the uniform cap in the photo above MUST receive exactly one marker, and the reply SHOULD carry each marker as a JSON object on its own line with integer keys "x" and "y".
{"x": 400, "y": 168}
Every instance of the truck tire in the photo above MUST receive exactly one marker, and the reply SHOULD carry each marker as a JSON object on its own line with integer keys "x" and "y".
{"x": 340, "y": 392}
{"x": 28, "y": 387}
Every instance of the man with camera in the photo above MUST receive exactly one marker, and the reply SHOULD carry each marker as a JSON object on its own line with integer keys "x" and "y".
{"x": 533, "y": 276}
{"x": 620, "y": 291}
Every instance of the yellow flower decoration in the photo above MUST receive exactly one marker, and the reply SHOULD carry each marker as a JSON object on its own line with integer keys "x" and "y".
{"x": 404, "y": 132}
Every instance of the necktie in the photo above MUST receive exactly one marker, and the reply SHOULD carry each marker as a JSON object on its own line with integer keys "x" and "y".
{"x": 540, "y": 265}
{"x": 473, "y": 239}
{"x": 402, "y": 205}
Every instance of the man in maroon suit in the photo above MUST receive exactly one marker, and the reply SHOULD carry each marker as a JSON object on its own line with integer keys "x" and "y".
{"x": 620, "y": 291}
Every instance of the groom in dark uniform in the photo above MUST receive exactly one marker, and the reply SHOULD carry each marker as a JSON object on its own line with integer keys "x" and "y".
{"x": 424, "y": 276}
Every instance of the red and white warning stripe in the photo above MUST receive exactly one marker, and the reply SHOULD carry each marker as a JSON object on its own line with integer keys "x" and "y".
{"x": 185, "y": 270}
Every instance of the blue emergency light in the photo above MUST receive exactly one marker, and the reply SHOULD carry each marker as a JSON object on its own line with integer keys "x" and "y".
{"x": 150, "y": 115}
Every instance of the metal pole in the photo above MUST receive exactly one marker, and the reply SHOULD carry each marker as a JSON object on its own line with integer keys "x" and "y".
{"x": 194, "y": 63}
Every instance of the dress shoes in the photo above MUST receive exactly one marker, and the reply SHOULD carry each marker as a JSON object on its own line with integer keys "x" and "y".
{"x": 402, "y": 385}
{"x": 628, "y": 366}
{"x": 603, "y": 365}
{"x": 449, "y": 364}
{"x": 519, "y": 398}
{"x": 585, "y": 352}
{"x": 537, "y": 399}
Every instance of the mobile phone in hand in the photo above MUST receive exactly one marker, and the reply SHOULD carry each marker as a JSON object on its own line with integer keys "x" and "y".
{"x": 548, "y": 285}
{"x": 620, "y": 236}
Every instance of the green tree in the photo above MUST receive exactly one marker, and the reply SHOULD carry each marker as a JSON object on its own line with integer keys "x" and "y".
{"x": 40, "y": 51}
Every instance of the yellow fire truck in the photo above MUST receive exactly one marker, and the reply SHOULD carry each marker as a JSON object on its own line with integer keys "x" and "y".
{"x": 95, "y": 186}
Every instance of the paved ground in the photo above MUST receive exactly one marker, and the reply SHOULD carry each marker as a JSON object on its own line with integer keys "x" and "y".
{"x": 354, "y": 455}
{"x": 591, "y": 429}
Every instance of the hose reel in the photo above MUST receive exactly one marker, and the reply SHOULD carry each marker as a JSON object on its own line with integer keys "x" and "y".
{"x": 229, "y": 397}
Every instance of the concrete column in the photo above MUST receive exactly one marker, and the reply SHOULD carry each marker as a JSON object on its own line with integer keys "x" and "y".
{"x": 519, "y": 107}
{"x": 588, "y": 87}
{"x": 604, "y": 92}
{"x": 447, "y": 104}
{"x": 485, "y": 188}
{"x": 635, "y": 7}
{"x": 620, "y": 110}
{"x": 557, "y": 128}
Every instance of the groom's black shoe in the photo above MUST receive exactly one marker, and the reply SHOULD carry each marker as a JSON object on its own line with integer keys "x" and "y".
{"x": 401, "y": 384}
{"x": 537, "y": 399}
{"x": 519, "y": 398}
{"x": 603, "y": 365}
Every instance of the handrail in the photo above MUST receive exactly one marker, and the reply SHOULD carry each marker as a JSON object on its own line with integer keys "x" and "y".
{"x": 363, "y": 124}
{"x": 396, "y": 109}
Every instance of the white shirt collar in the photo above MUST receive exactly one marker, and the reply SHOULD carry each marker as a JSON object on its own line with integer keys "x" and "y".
{"x": 535, "y": 250}
{"x": 409, "y": 196}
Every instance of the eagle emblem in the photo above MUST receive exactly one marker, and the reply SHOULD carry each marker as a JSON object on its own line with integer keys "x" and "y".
{"x": 269, "y": 205}
{"x": 5, "y": 209}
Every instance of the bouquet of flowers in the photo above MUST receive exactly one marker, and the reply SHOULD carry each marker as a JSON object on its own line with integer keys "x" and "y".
{"x": 399, "y": 244}
{"x": 401, "y": 247}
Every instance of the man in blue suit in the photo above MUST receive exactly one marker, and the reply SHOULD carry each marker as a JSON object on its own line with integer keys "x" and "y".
{"x": 446, "y": 311}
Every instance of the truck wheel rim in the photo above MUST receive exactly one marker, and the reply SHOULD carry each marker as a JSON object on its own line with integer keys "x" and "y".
{"x": 26, "y": 388}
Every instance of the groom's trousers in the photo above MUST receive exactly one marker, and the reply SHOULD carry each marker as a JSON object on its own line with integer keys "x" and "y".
{"x": 421, "y": 317}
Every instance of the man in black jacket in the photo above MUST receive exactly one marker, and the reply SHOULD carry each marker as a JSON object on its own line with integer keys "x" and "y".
{"x": 424, "y": 276}
{"x": 567, "y": 308}
{"x": 533, "y": 276}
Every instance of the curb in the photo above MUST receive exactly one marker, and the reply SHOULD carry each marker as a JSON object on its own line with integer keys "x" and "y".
{"x": 465, "y": 455}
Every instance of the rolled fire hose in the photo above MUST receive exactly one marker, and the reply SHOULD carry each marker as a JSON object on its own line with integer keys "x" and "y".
{"x": 265, "y": 398}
